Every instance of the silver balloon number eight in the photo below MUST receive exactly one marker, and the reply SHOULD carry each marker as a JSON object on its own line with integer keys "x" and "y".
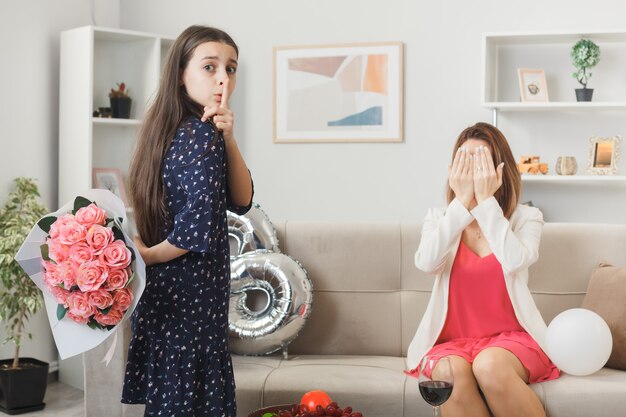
{"x": 270, "y": 292}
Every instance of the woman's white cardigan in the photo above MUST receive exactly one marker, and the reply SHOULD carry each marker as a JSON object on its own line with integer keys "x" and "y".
{"x": 514, "y": 242}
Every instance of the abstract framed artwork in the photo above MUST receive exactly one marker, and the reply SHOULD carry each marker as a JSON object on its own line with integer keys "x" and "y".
{"x": 338, "y": 93}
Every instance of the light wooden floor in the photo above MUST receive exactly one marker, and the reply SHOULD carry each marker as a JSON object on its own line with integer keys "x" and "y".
{"x": 61, "y": 401}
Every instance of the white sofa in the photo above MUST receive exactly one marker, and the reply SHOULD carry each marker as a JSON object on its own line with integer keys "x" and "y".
{"x": 368, "y": 301}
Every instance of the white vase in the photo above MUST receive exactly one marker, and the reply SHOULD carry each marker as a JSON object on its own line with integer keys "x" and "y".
{"x": 566, "y": 165}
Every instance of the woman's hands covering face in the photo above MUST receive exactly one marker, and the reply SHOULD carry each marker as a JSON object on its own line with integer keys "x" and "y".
{"x": 461, "y": 176}
{"x": 487, "y": 178}
{"x": 474, "y": 176}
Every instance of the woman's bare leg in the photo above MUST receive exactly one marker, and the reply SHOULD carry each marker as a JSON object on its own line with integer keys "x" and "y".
{"x": 465, "y": 399}
{"x": 504, "y": 382}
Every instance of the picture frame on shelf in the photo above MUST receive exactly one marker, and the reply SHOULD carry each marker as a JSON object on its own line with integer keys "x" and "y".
{"x": 532, "y": 84}
{"x": 604, "y": 154}
{"x": 338, "y": 93}
{"x": 110, "y": 179}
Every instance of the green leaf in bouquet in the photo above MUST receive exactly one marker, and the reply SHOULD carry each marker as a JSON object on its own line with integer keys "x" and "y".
{"x": 45, "y": 252}
{"x": 61, "y": 310}
{"x": 93, "y": 324}
{"x": 118, "y": 234}
{"x": 80, "y": 202}
{"x": 106, "y": 310}
{"x": 132, "y": 277}
{"x": 45, "y": 223}
{"x": 132, "y": 253}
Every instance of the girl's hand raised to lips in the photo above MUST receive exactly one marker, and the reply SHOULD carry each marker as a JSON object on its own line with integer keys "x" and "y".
{"x": 487, "y": 178}
{"x": 460, "y": 176}
{"x": 223, "y": 117}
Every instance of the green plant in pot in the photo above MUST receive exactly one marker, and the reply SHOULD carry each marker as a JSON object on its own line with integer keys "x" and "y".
{"x": 23, "y": 381}
{"x": 585, "y": 55}
{"x": 120, "y": 102}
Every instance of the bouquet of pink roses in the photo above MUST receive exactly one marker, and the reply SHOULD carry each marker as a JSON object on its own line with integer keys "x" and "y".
{"x": 87, "y": 265}
{"x": 87, "y": 268}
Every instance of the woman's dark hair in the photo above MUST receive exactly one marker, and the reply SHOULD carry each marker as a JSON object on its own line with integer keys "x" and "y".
{"x": 170, "y": 107}
{"x": 508, "y": 194}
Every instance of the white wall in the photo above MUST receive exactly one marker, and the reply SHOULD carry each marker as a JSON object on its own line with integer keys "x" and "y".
{"x": 337, "y": 182}
{"x": 29, "y": 114}
{"x": 396, "y": 182}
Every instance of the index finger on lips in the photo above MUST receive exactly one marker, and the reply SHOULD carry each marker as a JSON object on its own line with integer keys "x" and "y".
{"x": 225, "y": 97}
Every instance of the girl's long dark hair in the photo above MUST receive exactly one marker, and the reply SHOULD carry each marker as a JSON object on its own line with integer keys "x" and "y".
{"x": 509, "y": 193}
{"x": 170, "y": 107}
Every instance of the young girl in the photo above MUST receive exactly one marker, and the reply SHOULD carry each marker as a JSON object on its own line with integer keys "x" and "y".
{"x": 481, "y": 313}
{"x": 186, "y": 172}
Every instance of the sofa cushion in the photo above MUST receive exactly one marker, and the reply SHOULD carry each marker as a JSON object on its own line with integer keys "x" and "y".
{"x": 250, "y": 375}
{"x": 576, "y": 396}
{"x": 605, "y": 295}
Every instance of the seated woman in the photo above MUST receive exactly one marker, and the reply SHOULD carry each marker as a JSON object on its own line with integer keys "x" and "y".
{"x": 481, "y": 314}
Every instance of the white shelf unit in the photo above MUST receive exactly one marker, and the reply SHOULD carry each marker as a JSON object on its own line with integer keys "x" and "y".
{"x": 93, "y": 60}
{"x": 504, "y": 53}
{"x": 575, "y": 179}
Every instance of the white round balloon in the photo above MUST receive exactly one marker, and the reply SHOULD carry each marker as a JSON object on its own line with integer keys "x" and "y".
{"x": 579, "y": 341}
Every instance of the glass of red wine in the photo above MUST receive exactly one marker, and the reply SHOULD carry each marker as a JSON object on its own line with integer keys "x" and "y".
{"x": 435, "y": 380}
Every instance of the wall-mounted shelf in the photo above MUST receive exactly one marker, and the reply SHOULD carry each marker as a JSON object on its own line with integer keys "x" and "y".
{"x": 115, "y": 122}
{"x": 556, "y": 106}
{"x": 575, "y": 179}
{"x": 505, "y": 53}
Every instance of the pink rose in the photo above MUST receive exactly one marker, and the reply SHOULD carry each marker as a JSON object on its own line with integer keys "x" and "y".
{"x": 116, "y": 255}
{"x": 72, "y": 232}
{"x": 91, "y": 275}
{"x": 118, "y": 278}
{"x": 122, "y": 299}
{"x": 79, "y": 305}
{"x": 59, "y": 223}
{"x": 68, "y": 272}
{"x": 60, "y": 295}
{"x": 77, "y": 319}
{"x": 81, "y": 252}
{"x": 100, "y": 299}
{"x": 90, "y": 215}
{"x": 110, "y": 319}
{"x": 57, "y": 251}
{"x": 51, "y": 275}
{"x": 98, "y": 237}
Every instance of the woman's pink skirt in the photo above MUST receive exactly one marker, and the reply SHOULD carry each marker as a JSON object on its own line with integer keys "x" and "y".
{"x": 524, "y": 347}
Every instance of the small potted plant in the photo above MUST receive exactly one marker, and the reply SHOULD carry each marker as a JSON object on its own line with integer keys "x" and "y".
{"x": 23, "y": 381}
{"x": 585, "y": 55}
{"x": 120, "y": 102}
